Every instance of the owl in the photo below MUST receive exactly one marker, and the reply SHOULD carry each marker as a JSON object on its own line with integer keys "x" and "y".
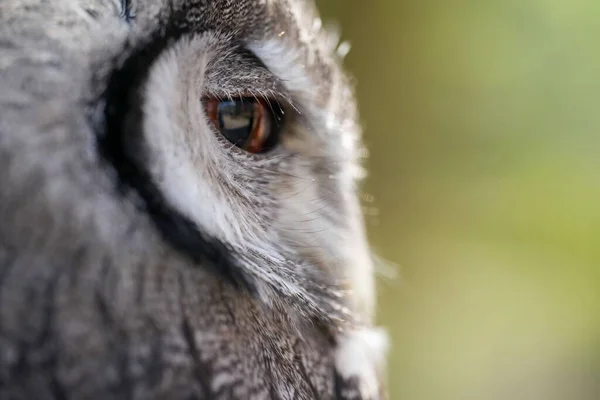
{"x": 179, "y": 216}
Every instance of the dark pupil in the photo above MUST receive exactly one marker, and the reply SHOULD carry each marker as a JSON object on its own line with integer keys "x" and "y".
{"x": 236, "y": 120}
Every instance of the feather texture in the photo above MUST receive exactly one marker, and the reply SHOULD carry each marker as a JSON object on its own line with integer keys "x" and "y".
{"x": 142, "y": 256}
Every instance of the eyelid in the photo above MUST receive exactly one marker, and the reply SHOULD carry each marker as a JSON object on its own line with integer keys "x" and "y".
{"x": 273, "y": 97}
{"x": 246, "y": 76}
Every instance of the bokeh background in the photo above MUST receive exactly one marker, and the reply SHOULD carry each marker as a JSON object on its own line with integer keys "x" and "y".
{"x": 483, "y": 124}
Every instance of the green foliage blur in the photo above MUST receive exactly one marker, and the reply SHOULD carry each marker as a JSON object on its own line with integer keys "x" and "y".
{"x": 482, "y": 120}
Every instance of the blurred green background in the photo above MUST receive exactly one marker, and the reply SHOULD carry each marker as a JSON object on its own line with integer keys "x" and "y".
{"x": 482, "y": 122}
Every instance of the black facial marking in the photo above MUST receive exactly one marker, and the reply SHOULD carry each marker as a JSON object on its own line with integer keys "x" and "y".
{"x": 127, "y": 12}
{"x": 120, "y": 142}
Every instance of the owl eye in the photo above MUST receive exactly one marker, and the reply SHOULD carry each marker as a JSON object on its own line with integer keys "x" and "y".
{"x": 248, "y": 123}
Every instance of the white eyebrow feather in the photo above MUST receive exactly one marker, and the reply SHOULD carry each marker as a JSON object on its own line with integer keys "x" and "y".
{"x": 284, "y": 63}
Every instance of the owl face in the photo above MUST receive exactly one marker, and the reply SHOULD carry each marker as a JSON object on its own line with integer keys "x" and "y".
{"x": 237, "y": 128}
{"x": 230, "y": 128}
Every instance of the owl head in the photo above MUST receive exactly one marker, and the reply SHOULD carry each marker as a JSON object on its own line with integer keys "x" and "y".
{"x": 219, "y": 139}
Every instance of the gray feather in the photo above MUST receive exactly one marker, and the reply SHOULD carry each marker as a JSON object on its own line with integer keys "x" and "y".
{"x": 98, "y": 299}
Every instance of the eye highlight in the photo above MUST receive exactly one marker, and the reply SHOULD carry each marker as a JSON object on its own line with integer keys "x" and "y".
{"x": 250, "y": 124}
